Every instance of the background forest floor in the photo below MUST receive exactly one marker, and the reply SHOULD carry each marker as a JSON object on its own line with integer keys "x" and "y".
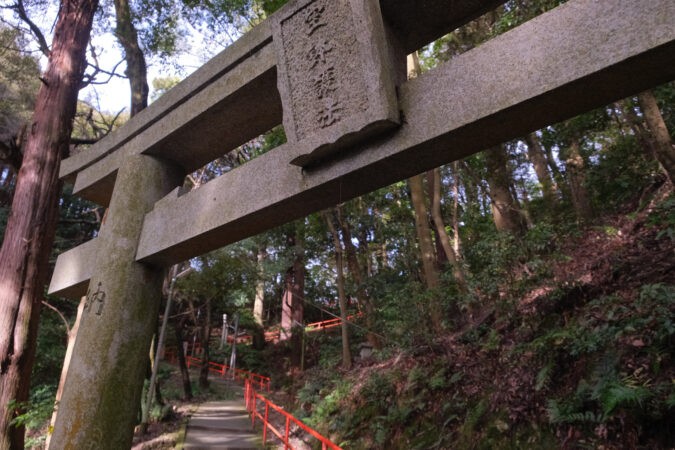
{"x": 582, "y": 358}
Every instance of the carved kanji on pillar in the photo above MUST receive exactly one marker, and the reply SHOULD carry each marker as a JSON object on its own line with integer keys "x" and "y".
{"x": 334, "y": 88}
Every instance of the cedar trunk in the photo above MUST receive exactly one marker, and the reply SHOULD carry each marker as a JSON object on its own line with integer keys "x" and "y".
{"x": 457, "y": 271}
{"x": 32, "y": 223}
{"x": 292, "y": 309}
{"x": 576, "y": 175}
{"x": 662, "y": 142}
{"x": 506, "y": 214}
{"x": 429, "y": 271}
{"x": 342, "y": 296}
{"x": 537, "y": 157}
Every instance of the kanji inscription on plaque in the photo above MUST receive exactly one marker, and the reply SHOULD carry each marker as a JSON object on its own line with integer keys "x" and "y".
{"x": 335, "y": 89}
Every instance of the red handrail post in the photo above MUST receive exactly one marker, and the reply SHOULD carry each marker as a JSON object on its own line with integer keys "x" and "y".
{"x": 287, "y": 443}
{"x": 265, "y": 422}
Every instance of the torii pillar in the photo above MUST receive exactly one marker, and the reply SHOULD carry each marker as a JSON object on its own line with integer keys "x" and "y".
{"x": 108, "y": 364}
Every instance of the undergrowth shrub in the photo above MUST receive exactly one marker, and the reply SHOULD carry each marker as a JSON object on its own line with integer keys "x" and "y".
{"x": 620, "y": 173}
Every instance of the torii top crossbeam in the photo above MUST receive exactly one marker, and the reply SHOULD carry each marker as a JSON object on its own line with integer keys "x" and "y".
{"x": 577, "y": 57}
{"x": 333, "y": 73}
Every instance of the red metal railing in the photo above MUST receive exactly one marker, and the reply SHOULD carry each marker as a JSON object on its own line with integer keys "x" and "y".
{"x": 252, "y": 399}
{"x": 273, "y": 335}
{"x": 223, "y": 370}
{"x": 325, "y": 324}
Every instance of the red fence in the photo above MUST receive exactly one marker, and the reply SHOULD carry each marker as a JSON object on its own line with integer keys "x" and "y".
{"x": 252, "y": 401}
{"x": 310, "y": 327}
{"x": 223, "y": 370}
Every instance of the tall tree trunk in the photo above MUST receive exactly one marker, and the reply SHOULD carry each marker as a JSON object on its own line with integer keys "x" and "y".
{"x": 205, "y": 337}
{"x": 184, "y": 372}
{"x": 423, "y": 231}
{"x": 298, "y": 300}
{"x": 537, "y": 157}
{"x": 558, "y": 177}
{"x": 292, "y": 310}
{"x": 342, "y": 297}
{"x": 638, "y": 128}
{"x": 429, "y": 271}
{"x": 441, "y": 256}
{"x": 471, "y": 191}
{"x": 258, "y": 302}
{"x": 442, "y": 234}
{"x": 355, "y": 271}
{"x": 457, "y": 243}
{"x": 576, "y": 178}
{"x": 662, "y": 142}
{"x": 137, "y": 71}
{"x": 32, "y": 222}
{"x": 506, "y": 214}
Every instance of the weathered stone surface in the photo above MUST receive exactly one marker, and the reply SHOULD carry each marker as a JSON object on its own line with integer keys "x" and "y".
{"x": 103, "y": 386}
{"x": 419, "y": 22}
{"x": 237, "y": 106}
{"x": 436, "y": 17}
{"x": 334, "y": 75}
{"x": 220, "y": 65}
{"x": 519, "y": 82}
{"x": 514, "y": 84}
{"x": 73, "y": 270}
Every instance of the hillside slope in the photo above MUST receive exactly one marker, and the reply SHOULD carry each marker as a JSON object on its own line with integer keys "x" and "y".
{"x": 584, "y": 358}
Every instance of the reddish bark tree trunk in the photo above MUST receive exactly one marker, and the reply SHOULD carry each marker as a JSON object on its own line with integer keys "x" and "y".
{"x": 32, "y": 222}
{"x": 292, "y": 313}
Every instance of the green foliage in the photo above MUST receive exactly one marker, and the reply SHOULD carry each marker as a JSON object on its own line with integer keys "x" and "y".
{"x": 517, "y": 12}
{"x": 663, "y": 216}
{"x": 473, "y": 417}
{"x": 270, "y": 6}
{"x": 159, "y": 27}
{"x": 51, "y": 348}
{"x": 19, "y": 82}
{"x": 605, "y": 333}
{"x": 620, "y": 173}
{"x": 161, "y": 86}
{"x": 36, "y": 412}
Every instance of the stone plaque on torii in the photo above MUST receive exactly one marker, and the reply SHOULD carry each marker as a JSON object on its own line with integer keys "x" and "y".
{"x": 333, "y": 72}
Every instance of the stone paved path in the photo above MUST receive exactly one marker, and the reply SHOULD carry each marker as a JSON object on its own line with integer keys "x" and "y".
{"x": 223, "y": 424}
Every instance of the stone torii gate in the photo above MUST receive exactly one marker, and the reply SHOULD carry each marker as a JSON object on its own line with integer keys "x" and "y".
{"x": 333, "y": 72}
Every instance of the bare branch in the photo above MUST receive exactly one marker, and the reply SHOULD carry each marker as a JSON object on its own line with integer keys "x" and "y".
{"x": 89, "y": 79}
{"x": 42, "y": 42}
{"x": 53, "y": 308}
